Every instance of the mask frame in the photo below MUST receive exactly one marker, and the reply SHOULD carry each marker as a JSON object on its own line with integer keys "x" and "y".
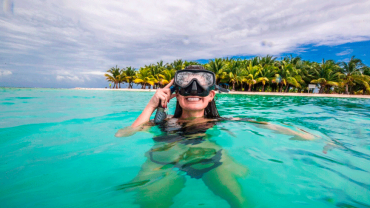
{"x": 188, "y": 89}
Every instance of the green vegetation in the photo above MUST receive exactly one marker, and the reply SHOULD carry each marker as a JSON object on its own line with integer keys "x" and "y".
{"x": 260, "y": 74}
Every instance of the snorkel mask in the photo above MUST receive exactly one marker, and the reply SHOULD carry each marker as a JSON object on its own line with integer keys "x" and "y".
{"x": 198, "y": 82}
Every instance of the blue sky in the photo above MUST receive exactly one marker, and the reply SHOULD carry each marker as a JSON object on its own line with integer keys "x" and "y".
{"x": 70, "y": 43}
{"x": 338, "y": 53}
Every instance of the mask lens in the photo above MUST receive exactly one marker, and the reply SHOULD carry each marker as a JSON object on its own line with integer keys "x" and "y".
{"x": 203, "y": 78}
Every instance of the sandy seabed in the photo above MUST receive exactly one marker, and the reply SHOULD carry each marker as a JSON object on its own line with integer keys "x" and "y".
{"x": 245, "y": 93}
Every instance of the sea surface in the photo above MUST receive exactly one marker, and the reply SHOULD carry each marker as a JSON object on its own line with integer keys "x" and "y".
{"x": 58, "y": 149}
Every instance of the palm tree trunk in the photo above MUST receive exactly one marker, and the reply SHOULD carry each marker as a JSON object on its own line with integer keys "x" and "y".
{"x": 322, "y": 89}
{"x": 287, "y": 88}
{"x": 120, "y": 85}
{"x": 233, "y": 86}
{"x": 346, "y": 89}
{"x": 263, "y": 87}
{"x": 281, "y": 88}
{"x": 249, "y": 88}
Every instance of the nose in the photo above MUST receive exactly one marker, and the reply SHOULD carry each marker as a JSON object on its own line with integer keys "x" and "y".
{"x": 194, "y": 87}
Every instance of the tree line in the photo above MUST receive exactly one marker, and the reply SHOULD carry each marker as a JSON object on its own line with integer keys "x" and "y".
{"x": 259, "y": 74}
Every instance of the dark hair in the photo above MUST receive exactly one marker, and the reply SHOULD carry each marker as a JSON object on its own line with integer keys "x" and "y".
{"x": 209, "y": 112}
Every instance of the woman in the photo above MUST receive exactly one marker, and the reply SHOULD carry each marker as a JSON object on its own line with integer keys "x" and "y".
{"x": 185, "y": 148}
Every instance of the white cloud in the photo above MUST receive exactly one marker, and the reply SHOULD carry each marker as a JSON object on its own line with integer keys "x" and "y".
{"x": 69, "y": 78}
{"x": 98, "y": 73}
{"x": 5, "y": 72}
{"x": 87, "y": 37}
{"x": 345, "y": 52}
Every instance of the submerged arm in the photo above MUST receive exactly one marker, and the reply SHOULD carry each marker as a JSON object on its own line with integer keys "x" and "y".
{"x": 299, "y": 134}
{"x": 129, "y": 130}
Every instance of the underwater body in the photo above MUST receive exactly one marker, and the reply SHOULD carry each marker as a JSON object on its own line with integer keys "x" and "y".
{"x": 59, "y": 149}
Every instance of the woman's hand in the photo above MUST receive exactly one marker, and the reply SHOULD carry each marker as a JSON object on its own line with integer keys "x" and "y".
{"x": 163, "y": 95}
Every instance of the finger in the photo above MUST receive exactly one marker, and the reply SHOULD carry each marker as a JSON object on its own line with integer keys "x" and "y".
{"x": 166, "y": 91}
{"x": 169, "y": 84}
{"x": 162, "y": 99}
{"x": 164, "y": 102}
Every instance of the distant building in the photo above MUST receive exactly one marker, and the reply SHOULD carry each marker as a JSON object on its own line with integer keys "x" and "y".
{"x": 312, "y": 88}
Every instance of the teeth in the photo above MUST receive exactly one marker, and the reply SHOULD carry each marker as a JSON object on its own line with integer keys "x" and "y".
{"x": 192, "y": 99}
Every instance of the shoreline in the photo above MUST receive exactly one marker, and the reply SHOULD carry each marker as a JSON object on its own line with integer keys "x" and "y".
{"x": 245, "y": 93}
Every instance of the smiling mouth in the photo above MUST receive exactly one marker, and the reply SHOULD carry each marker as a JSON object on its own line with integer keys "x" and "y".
{"x": 192, "y": 99}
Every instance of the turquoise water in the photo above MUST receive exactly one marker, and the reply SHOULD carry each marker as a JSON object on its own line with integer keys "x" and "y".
{"x": 58, "y": 149}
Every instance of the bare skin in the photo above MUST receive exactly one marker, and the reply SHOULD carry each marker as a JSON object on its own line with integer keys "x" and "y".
{"x": 163, "y": 95}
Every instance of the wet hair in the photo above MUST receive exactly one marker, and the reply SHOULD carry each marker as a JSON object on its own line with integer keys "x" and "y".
{"x": 210, "y": 111}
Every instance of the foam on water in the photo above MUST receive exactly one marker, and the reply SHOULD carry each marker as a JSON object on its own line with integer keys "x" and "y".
{"x": 58, "y": 149}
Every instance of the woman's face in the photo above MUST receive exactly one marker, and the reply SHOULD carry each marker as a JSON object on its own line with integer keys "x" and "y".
{"x": 195, "y": 103}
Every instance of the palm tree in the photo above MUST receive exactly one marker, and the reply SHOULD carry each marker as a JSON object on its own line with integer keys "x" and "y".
{"x": 326, "y": 74}
{"x": 121, "y": 77}
{"x": 216, "y": 66}
{"x": 266, "y": 74}
{"x": 178, "y": 64}
{"x": 365, "y": 70}
{"x": 363, "y": 81}
{"x": 352, "y": 76}
{"x": 286, "y": 75}
{"x": 252, "y": 74}
{"x": 143, "y": 77}
{"x": 349, "y": 70}
{"x": 113, "y": 76}
{"x": 255, "y": 61}
{"x": 188, "y": 63}
{"x": 232, "y": 73}
{"x": 166, "y": 76}
{"x": 130, "y": 76}
{"x": 155, "y": 71}
{"x": 267, "y": 61}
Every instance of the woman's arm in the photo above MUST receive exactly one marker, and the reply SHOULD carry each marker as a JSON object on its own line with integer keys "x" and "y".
{"x": 129, "y": 131}
{"x": 298, "y": 134}
{"x": 163, "y": 95}
{"x": 144, "y": 116}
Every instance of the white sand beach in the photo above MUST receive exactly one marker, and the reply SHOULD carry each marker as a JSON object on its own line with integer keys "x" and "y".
{"x": 246, "y": 93}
